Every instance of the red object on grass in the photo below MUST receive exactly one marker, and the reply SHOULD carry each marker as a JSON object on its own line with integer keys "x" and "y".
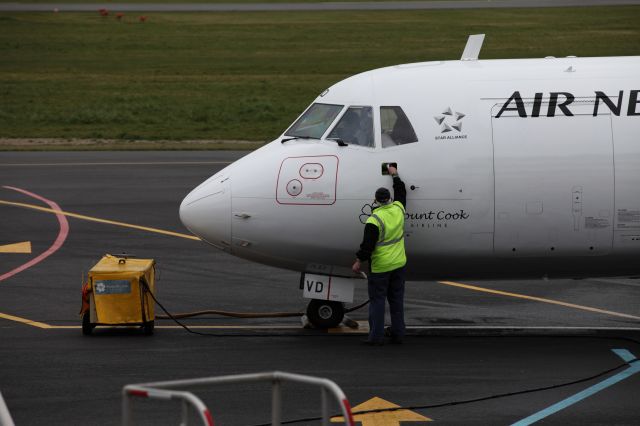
{"x": 143, "y": 18}
{"x": 103, "y": 12}
{"x": 119, "y": 15}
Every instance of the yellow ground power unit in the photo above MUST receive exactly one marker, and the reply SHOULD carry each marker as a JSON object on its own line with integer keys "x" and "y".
{"x": 117, "y": 292}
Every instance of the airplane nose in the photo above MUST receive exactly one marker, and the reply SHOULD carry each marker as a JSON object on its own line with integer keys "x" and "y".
{"x": 206, "y": 212}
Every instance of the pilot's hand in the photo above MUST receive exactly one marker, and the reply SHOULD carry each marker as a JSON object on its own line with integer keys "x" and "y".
{"x": 392, "y": 170}
{"x": 356, "y": 267}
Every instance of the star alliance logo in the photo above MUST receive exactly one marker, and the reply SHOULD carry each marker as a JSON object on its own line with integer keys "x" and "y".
{"x": 449, "y": 121}
{"x": 447, "y": 116}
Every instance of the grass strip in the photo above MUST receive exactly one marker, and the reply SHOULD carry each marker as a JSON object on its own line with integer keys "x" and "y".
{"x": 111, "y": 2}
{"x": 246, "y": 76}
{"x": 55, "y": 144}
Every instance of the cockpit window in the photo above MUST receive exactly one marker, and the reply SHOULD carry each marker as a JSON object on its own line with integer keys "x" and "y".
{"x": 355, "y": 127}
{"x": 396, "y": 128}
{"x": 315, "y": 121}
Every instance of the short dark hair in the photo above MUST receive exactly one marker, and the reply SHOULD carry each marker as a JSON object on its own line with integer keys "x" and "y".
{"x": 382, "y": 195}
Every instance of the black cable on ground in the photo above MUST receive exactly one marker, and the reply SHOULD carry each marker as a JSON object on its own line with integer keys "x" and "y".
{"x": 355, "y": 308}
{"x": 242, "y": 314}
{"x": 199, "y": 333}
{"x": 467, "y": 401}
{"x": 411, "y": 407}
{"x": 233, "y": 314}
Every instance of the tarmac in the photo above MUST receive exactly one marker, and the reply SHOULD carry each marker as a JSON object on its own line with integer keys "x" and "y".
{"x": 274, "y": 7}
{"x": 484, "y": 341}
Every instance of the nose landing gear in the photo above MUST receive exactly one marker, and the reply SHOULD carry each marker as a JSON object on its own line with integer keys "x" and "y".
{"x": 325, "y": 313}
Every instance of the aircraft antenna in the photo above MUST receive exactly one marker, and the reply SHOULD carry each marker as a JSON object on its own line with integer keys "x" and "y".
{"x": 472, "y": 49}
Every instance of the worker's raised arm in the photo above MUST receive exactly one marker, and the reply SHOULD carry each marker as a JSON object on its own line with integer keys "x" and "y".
{"x": 399, "y": 190}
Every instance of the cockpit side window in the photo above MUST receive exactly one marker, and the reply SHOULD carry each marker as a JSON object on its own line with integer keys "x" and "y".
{"x": 355, "y": 127}
{"x": 396, "y": 127}
{"x": 315, "y": 121}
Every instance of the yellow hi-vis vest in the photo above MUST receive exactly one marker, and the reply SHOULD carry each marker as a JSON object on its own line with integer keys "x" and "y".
{"x": 389, "y": 252}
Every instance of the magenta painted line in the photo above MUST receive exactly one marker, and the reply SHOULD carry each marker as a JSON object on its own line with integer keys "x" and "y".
{"x": 62, "y": 235}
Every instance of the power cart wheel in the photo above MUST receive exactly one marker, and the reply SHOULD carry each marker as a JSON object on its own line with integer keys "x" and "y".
{"x": 147, "y": 328}
{"x": 87, "y": 327}
{"x": 324, "y": 313}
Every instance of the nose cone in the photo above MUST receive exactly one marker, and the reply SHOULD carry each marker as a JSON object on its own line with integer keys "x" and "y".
{"x": 206, "y": 212}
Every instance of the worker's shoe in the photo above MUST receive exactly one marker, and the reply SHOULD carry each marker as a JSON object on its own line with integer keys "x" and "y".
{"x": 396, "y": 340}
{"x": 374, "y": 342}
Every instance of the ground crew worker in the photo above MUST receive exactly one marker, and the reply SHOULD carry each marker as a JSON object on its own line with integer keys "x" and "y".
{"x": 383, "y": 246}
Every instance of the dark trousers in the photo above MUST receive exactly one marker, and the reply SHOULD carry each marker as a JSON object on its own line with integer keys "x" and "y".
{"x": 386, "y": 286}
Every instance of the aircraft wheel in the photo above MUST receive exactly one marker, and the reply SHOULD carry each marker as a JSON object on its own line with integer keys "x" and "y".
{"x": 87, "y": 327}
{"x": 324, "y": 313}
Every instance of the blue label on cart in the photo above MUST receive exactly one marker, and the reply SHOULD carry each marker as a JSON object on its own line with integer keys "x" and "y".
{"x": 113, "y": 287}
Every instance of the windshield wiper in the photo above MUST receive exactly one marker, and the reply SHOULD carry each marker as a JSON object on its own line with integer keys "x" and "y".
{"x": 339, "y": 141}
{"x": 298, "y": 137}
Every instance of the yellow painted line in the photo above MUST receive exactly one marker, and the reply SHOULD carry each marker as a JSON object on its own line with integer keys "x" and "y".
{"x": 539, "y": 299}
{"x": 168, "y": 327}
{"x": 24, "y": 247}
{"x": 201, "y": 327}
{"x": 149, "y": 163}
{"x": 24, "y": 321}
{"x": 96, "y": 219}
{"x": 235, "y": 327}
{"x": 60, "y": 327}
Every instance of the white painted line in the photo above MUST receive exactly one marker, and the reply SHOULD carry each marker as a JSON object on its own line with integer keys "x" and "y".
{"x": 628, "y": 372}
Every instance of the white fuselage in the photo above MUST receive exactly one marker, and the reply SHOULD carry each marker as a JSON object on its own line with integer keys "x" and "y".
{"x": 522, "y": 168}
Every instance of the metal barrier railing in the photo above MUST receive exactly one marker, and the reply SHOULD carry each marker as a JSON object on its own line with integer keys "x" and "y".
{"x": 5, "y": 416}
{"x": 160, "y": 390}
